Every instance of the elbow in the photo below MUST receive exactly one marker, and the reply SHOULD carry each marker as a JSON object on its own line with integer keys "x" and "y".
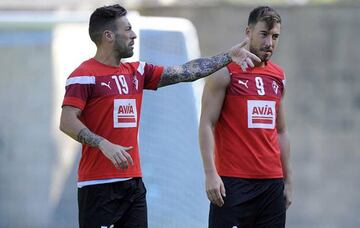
{"x": 61, "y": 127}
{"x": 206, "y": 126}
{"x": 195, "y": 77}
{"x": 281, "y": 130}
{"x": 192, "y": 79}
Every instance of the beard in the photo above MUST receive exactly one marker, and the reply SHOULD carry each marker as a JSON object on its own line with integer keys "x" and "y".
{"x": 124, "y": 50}
{"x": 262, "y": 53}
{"x": 126, "y": 54}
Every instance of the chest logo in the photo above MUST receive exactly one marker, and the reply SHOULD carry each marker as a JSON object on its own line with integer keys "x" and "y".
{"x": 244, "y": 83}
{"x": 261, "y": 114}
{"x": 106, "y": 84}
{"x": 136, "y": 82}
{"x": 275, "y": 87}
{"x": 125, "y": 113}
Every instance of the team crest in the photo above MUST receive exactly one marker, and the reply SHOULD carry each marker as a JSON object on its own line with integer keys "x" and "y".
{"x": 275, "y": 87}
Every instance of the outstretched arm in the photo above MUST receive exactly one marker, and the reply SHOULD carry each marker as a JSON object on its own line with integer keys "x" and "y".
{"x": 212, "y": 101}
{"x": 202, "y": 67}
{"x": 71, "y": 125}
{"x": 285, "y": 155}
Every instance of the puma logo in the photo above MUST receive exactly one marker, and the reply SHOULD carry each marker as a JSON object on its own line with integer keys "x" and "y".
{"x": 107, "y": 85}
{"x": 244, "y": 83}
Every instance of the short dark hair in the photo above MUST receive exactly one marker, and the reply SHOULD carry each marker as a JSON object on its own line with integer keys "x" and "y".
{"x": 102, "y": 19}
{"x": 265, "y": 14}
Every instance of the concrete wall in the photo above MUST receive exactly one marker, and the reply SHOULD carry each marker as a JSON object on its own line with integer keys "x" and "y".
{"x": 35, "y": 157}
{"x": 319, "y": 50}
{"x": 24, "y": 113}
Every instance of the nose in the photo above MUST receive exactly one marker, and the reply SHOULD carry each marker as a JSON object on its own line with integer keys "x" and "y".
{"x": 133, "y": 35}
{"x": 268, "y": 41}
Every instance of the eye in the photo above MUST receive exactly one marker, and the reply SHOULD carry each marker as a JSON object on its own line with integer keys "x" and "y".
{"x": 263, "y": 34}
{"x": 276, "y": 36}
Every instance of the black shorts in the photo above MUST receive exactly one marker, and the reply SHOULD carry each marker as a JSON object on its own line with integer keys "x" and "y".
{"x": 118, "y": 204}
{"x": 250, "y": 203}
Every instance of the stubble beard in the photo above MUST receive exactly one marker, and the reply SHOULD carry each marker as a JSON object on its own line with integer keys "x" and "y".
{"x": 258, "y": 52}
{"x": 123, "y": 49}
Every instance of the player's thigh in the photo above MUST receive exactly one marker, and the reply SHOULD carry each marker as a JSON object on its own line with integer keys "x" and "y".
{"x": 239, "y": 207}
{"x": 272, "y": 209}
{"x": 221, "y": 217}
{"x": 94, "y": 209}
{"x": 240, "y": 216}
{"x": 136, "y": 214}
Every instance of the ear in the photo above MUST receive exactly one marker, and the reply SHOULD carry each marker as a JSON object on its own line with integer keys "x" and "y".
{"x": 108, "y": 35}
{"x": 248, "y": 31}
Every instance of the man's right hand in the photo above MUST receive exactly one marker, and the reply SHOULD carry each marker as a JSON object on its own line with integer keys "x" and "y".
{"x": 240, "y": 55}
{"x": 215, "y": 189}
{"x": 117, "y": 154}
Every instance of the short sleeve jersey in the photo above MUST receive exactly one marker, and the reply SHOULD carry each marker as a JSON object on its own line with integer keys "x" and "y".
{"x": 110, "y": 99}
{"x": 246, "y": 139}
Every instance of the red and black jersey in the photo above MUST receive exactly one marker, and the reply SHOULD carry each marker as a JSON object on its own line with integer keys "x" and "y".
{"x": 245, "y": 135}
{"x": 110, "y": 99}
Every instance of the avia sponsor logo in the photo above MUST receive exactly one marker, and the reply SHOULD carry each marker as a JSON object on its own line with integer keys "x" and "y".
{"x": 125, "y": 113}
{"x": 261, "y": 114}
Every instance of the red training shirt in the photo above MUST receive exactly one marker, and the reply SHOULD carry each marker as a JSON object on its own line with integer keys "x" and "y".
{"x": 110, "y": 99}
{"x": 246, "y": 139}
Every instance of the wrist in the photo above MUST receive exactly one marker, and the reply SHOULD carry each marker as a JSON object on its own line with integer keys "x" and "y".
{"x": 102, "y": 143}
{"x": 288, "y": 180}
{"x": 228, "y": 56}
{"x": 85, "y": 136}
{"x": 211, "y": 172}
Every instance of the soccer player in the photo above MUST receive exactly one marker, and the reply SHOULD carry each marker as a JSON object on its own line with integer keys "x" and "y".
{"x": 101, "y": 109}
{"x": 243, "y": 140}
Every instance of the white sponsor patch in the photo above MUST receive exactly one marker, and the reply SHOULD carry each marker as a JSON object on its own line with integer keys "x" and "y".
{"x": 125, "y": 113}
{"x": 261, "y": 114}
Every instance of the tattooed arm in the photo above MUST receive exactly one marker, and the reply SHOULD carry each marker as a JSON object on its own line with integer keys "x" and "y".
{"x": 71, "y": 125}
{"x": 85, "y": 136}
{"x": 203, "y": 67}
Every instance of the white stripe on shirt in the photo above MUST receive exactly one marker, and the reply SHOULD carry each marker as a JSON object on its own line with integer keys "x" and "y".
{"x": 141, "y": 67}
{"x": 80, "y": 80}
{"x": 81, "y": 184}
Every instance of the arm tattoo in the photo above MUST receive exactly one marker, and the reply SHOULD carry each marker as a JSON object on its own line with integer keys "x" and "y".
{"x": 194, "y": 69}
{"x": 85, "y": 136}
